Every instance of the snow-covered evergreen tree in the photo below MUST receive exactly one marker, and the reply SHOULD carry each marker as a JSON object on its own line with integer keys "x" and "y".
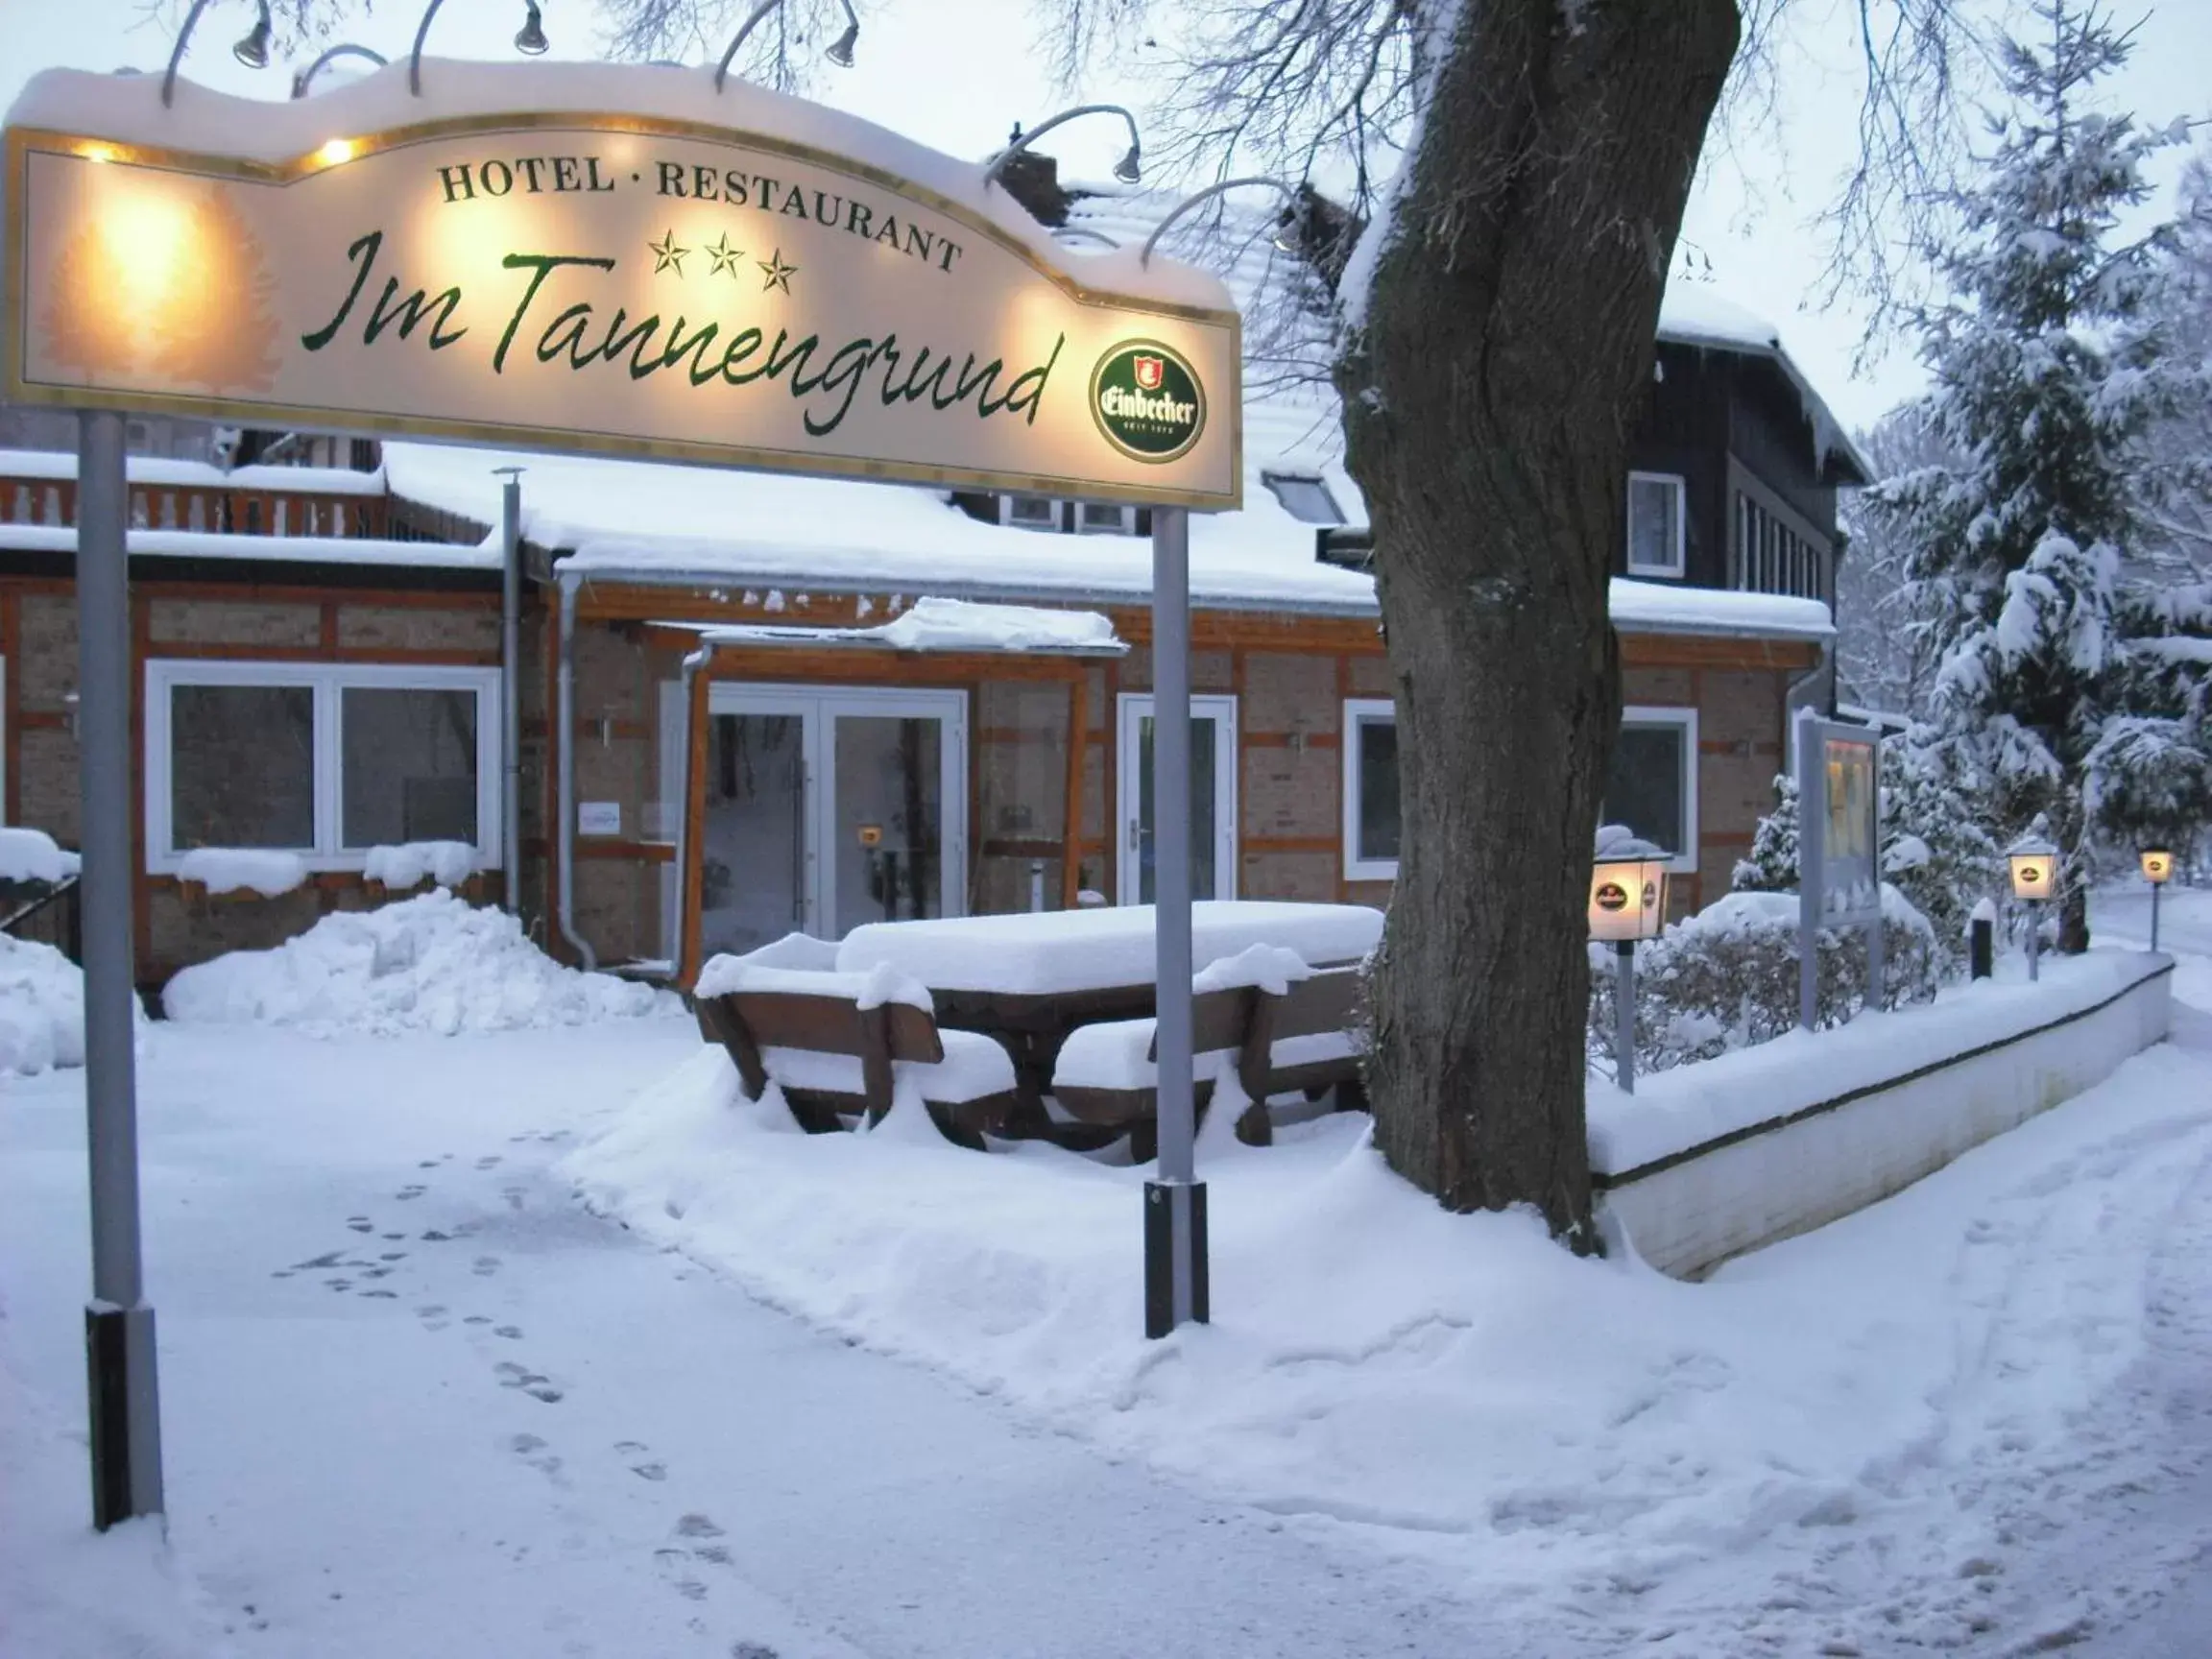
{"x": 2049, "y": 367}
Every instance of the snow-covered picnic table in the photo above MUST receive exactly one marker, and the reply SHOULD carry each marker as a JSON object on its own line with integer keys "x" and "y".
{"x": 1030, "y": 979}
{"x": 1056, "y": 952}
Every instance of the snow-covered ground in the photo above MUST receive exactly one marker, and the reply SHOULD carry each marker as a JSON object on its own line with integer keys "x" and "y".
{"x": 420, "y": 1402}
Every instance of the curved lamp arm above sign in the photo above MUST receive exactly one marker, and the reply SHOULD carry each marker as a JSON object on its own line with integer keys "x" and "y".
{"x": 839, "y": 51}
{"x": 1130, "y": 169}
{"x": 529, "y": 40}
{"x": 1289, "y": 192}
{"x": 299, "y": 81}
{"x": 252, "y": 49}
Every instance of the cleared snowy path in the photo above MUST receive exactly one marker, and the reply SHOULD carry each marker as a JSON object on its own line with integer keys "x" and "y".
{"x": 418, "y": 1403}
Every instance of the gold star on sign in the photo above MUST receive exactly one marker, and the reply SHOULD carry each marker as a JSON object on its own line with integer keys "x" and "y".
{"x": 665, "y": 254}
{"x": 725, "y": 256}
{"x": 778, "y": 274}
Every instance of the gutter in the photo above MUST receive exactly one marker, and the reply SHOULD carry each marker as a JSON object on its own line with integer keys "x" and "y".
{"x": 1003, "y": 593}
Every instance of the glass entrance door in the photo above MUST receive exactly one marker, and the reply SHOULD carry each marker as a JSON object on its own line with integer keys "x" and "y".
{"x": 827, "y": 809}
{"x": 1212, "y": 824}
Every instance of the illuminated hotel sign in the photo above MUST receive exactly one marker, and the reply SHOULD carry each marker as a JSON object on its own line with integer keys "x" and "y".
{"x": 617, "y": 283}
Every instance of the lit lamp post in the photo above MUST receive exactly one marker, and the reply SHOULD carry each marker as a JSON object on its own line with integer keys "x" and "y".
{"x": 2035, "y": 865}
{"x": 2157, "y": 869}
{"x": 1627, "y": 903}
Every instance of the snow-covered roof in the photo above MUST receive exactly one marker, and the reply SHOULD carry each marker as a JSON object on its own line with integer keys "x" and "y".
{"x": 1692, "y": 314}
{"x": 345, "y": 550}
{"x": 935, "y": 624}
{"x": 161, "y": 469}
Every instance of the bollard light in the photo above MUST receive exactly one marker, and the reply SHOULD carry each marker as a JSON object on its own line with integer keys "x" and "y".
{"x": 2034, "y": 862}
{"x": 2157, "y": 869}
{"x": 1627, "y": 903}
{"x": 2035, "y": 865}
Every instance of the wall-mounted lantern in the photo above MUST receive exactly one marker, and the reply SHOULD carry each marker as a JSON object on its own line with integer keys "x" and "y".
{"x": 2034, "y": 862}
{"x": 1627, "y": 903}
{"x": 2157, "y": 870}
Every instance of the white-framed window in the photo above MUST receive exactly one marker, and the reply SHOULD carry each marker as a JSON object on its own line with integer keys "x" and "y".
{"x": 1105, "y": 519}
{"x": 325, "y": 759}
{"x": 1652, "y": 784}
{"x": 1030, "y": 512}
{"x": 1370, "y": 789}
{"x": 1655, "y": 527}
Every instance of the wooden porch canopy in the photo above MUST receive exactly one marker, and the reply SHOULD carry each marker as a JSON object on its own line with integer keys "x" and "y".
{"x": 935, "y": 643}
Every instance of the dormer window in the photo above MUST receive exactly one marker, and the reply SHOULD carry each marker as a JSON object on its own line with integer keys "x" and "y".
{"x": 1303, "y": 496}
{"x": 1030, "y": 512}
{"x": 1656, "y": 531}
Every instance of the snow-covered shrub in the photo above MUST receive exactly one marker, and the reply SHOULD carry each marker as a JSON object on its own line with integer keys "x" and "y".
{"x": 1728, "y": 978}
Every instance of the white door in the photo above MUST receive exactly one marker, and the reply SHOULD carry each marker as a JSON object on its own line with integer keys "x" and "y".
{"x": 829, "y": 808}
{"x": 1212, "y": 799}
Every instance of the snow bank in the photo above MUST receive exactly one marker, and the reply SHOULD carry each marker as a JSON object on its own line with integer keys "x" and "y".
{"x": 67, "y": 1592}
{"x": 233, "y": 868}
{"x": 433, "y": 963}
{"x": 1448, "y": 1383}
{"x": 41, "y": 1008}
{"x": 31, "y": 856}
{"x": 411, "y": 863}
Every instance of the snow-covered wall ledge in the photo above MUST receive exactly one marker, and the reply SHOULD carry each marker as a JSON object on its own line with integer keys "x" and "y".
{"x": 1709, "y": 1160}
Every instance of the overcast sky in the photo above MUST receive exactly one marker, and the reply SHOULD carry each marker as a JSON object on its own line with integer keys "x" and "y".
{"x": 957, "y": 74}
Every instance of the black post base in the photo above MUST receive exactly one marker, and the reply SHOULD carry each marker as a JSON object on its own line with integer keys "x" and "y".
{"x": 1160, "y": 1248}
{"x": 125, "y": 1443}
{"x": 1980, "y": 947}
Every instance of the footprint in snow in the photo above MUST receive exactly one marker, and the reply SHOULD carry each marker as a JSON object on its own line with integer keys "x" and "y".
{"x": 489, "y": 1161}
{"x": 484, "y": 1266}
{"x": 412, "y": 1189}
{"x": 477, "y": 1319}
{"x": 698, "y": 1525}
{"x": 385, "y": 1295}
{"x": 433, "y": 1237}
{"x": 753, "y": 1651}
{"x": 339, "y": 1284}
{"x": 512, "y": 1332}
{"x": 393, "y": 1256}
{"x": 328, "y": 1258}
{"x": 717, "y": 1553}
{"x": 427, "y": 1163}
{"x": 534, "y": 1384}
{"x": 361, "y": 1224}
{"x": 513, "y": 1195}
{"x": 433, "y": 1315}
{"x": 394, "y": 1237}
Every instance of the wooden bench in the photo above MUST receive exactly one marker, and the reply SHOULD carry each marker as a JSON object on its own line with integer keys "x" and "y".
{"x": 1090, "y": 1081}
{"x": 835, "y": 1060}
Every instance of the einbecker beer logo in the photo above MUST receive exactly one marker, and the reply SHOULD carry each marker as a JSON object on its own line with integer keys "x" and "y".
{"x": 1147, "y": 401}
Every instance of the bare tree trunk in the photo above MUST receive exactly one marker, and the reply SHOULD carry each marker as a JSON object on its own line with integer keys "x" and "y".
{"x": 1507, "y": 337}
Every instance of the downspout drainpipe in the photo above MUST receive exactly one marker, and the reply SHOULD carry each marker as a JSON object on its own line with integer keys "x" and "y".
{"x": 510, "y": 690}
{"x": 565, "y": 804}
{"x": 692, "y": 664}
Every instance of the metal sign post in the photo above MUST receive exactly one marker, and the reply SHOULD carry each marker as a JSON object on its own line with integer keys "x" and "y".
{"x": 1174, "y": 1203}
{"x": 510, "y": 686}
{"x": 124, "y": 1410}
